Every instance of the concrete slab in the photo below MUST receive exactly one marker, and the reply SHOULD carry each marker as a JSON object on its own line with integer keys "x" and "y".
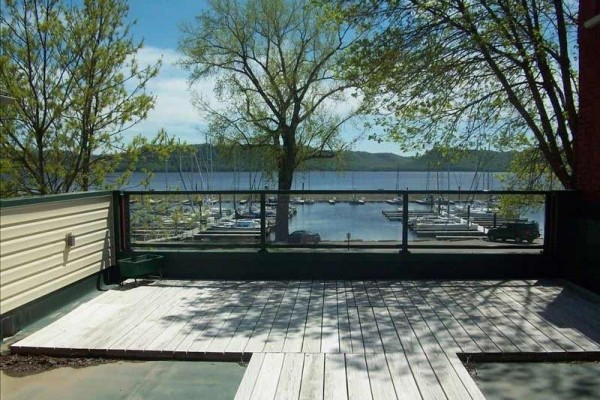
{"x": 127, "y": 380}
{"x": 539, "y": 381}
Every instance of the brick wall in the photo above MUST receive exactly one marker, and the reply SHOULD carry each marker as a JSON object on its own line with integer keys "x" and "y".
{"x": 587, "y": 143}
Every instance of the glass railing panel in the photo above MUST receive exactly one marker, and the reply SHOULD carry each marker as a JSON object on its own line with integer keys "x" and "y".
{"x": 331, "y": 219}
{"x": 195, "y": 219}
{"x": 341, "y": 219}
{"x": 489, "y": 221}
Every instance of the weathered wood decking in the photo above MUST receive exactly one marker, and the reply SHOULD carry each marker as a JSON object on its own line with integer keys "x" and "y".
{"x": 332, "y": 339}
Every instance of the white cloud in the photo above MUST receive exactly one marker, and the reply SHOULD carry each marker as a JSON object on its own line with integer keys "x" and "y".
{"x": 175, "y": 112}
{"x": 173, "y": 109}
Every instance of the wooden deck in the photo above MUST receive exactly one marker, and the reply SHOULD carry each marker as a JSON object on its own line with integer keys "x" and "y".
{"x": 333, "y": 339}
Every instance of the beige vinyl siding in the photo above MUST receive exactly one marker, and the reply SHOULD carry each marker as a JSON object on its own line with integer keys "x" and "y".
{"x": 34, "y": 258}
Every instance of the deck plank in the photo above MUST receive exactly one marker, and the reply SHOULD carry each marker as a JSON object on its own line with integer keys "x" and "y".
{"x": 370, "y": 332}
{"x": 330, "y": 339}
{"x": 145, "y": 320}
{"x": 520, "y": 337}
{"x": 447, "y": 377}
{"x": 294, "y": 337}
{"x": 469, "y": 324}
{"x": 291, "y": 377}
{"x": 227, "y": 330}
{"x": 387, "y": 331}
{"x": 496, "y": 325}
{"x": 178, "y": 319}
{"x": 276, "y": 339}
{"x": 542, "y": 342}
{"x": 359, "y": 387}
{"x": 356, "y": 336}
{"x": 344, "y": 329}
{"x": 428, "y": 384}
{"x": 402, "y": 377}
{"x": 360, "y": 294}
{"x": 262, "y": 329}
{"x": 210, "y": 331}
{"x": 250, "y": 376}
{"x": 312, "y": 377}
{"x": 313, "y": 331}
{"x": 563, "y": 319}
{"x": 382, "y": 386}
{"x": 268, "y": 378}
{"x": 448, "y": 342}
{"x": 335, "y": 377}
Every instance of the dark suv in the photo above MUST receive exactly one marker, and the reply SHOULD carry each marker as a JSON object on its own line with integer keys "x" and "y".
{"x": 304, "y": 237}
{"x": 517, "y": 231}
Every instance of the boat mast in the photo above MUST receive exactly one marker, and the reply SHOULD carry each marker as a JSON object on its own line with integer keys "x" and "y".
{"x": 167, "y": 166}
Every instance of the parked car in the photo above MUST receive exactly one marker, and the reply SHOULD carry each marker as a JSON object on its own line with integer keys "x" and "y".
{"x": 517, "y": 231}
{"x": 304, "y": 237}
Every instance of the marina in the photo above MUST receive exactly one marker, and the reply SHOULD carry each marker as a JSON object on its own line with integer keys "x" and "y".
{"x": 349, "y": 217}
{"x": 337, "y": 219}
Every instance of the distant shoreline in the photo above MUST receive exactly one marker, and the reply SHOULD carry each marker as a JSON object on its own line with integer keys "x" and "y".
{"x": 301, "y": 171}
{"x": 221, "y": 160}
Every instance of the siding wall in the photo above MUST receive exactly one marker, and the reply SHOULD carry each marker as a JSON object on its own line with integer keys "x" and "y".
{"x": 34, "y": 257}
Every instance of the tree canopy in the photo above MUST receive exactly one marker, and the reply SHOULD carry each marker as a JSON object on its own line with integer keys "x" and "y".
{"x": 275, "y": 65}
{"x": 483, "y": 73}
{"x": 78, "y": 87}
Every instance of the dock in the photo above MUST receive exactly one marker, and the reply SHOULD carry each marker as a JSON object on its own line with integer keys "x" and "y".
{"x": 461, "y": 225}
{"x": 229, "y": 235}
{"x": 397, "y": 215}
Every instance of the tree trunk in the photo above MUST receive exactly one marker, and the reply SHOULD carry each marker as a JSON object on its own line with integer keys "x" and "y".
{"x": 86, "y": 161}
{"x": 286, "y": 174}
{"x": 41, "y": 178}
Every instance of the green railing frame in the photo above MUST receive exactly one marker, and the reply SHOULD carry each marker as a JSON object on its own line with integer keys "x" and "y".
{"x": 547, "y": 247}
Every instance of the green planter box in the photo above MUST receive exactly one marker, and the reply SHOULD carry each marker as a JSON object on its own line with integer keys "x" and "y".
{"x": 140, "y": 265}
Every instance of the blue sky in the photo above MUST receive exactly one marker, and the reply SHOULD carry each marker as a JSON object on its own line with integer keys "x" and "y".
{"x": 158, "y": 24}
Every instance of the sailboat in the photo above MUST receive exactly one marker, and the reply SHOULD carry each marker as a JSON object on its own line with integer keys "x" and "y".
{"x": 396, "y": 200}
{"x": 309, "y": 200}
{"x": 355, "y": 200}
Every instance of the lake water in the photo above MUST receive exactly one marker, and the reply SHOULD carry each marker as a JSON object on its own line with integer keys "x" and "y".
{"x": 367, "y": 180}
{"x": 363, "y": 222}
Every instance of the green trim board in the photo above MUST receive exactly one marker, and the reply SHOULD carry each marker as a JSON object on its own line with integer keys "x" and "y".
{"x": 46, "y": 309}
{"x": 190, "y": 264}
{"x": 24, "y": 201}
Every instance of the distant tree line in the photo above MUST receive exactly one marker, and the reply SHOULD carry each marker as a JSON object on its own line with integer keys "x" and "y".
{"x": 205, "y": 158}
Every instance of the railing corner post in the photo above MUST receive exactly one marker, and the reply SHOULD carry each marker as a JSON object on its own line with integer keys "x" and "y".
{"x": 126, "y": 221}
{"x": 404, "y": 224}
{"x": 263, "y": 223}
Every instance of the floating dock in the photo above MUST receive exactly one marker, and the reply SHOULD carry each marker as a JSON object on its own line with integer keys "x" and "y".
{"x": 397, "y": 215}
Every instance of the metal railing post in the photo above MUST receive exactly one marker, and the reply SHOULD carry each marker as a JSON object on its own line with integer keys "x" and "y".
{"x": 469, "y": 215}
{"x": 263, "y": 223}
{"x": 549, "y": 224}
{"x": 404, "y": 223}
{"x": 117, "y": 230}
{"x": 220, "y": 206}
{"x": 126, "y": 223}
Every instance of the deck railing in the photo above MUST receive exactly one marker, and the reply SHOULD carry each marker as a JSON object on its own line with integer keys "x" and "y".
{"x": 365, "y": 219}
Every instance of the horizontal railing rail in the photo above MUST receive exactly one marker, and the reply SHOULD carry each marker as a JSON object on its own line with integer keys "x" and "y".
{"x": 340, "y": 191}
{"x": 401, "y": 243}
